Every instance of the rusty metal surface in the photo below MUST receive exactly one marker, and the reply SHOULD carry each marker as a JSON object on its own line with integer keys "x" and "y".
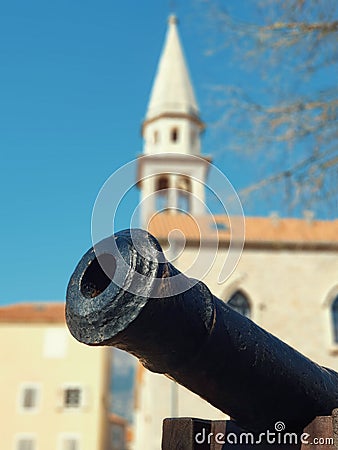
{"x": 196, "y": 339}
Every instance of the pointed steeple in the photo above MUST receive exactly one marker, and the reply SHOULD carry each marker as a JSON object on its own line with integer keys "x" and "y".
{"x": 172, "y": 90}
{"x": 172, "y": 171}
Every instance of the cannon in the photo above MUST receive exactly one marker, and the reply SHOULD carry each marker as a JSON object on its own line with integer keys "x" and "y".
{"x": 179, "y": 329}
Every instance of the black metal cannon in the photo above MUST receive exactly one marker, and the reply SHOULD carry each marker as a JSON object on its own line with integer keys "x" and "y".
{"x": 176, "y": 327}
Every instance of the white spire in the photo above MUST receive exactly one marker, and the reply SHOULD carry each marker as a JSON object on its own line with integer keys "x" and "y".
{"x": 172, "y": 91}
{"x": 172, "y": 172}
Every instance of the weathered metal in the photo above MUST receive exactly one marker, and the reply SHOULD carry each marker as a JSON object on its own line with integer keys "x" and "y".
{"x": 194, "y": 338}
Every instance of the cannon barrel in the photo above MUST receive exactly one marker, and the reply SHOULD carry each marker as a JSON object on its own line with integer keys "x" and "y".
{"x": 193, "y": 337}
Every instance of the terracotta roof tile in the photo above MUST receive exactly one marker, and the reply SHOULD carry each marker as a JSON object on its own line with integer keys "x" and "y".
{"x": 258, "y": 230}
{"x": 33, "y": 313}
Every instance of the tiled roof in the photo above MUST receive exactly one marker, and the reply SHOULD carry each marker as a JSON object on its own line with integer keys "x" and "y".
{"x": 41, "y": 312}
{"x": 258, "y": 230}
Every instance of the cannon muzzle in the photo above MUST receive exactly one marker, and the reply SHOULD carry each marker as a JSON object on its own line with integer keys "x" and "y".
{"x": 125, "y": 294}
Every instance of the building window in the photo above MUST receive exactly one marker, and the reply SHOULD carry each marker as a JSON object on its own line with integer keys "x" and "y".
{"x": 29, "y": 397}
{"x": 72, "y": 397}
{"x": 174, "y": 135}
{"x": 25, "y": 443}
{"x": 239, "y": 303}
{"x": 334, "y": 315}
{"x": 69, "y": 441}
{"x": 156, "y": 137}
{"x": 70, "y": 444}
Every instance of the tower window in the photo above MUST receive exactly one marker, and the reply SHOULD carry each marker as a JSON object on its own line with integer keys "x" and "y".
{"x": 162, "y": 183}
{"x": 239, "y": 303}
{"x": 156, "y": 137}
{"x": 334, "y": 315}
{"x": 184, "y": 183}
{"x": 183, "y": 194}
{"x": 174, "y": 135}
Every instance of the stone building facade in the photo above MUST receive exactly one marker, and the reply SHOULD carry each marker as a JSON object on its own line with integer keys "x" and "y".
{"x": 286, "y": 279}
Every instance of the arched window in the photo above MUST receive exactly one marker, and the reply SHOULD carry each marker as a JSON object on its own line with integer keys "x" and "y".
{"x": 174, "y": 134}
{"x": 239, "y": 303}
{"x": 334, "y": 315}
{"x": 183, "y": 193}
{"x": 184, "y": 183}
{"x": 162, "y": 183}
{"x": 161, "y": 186}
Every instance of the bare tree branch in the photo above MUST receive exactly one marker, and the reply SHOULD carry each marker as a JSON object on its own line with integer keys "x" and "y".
{"x": 302, "y": 27}
{"x": 289, "y": 115}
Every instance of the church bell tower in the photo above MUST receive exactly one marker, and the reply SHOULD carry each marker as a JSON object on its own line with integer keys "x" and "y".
{"x": 172, "y": 172}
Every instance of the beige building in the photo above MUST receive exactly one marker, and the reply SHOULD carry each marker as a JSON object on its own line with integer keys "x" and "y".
{"x": 55, "y": 391}
{"x": 286, "y": 279}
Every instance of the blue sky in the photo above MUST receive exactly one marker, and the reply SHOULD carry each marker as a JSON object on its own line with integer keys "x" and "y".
{"x": 75, "y": 79}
